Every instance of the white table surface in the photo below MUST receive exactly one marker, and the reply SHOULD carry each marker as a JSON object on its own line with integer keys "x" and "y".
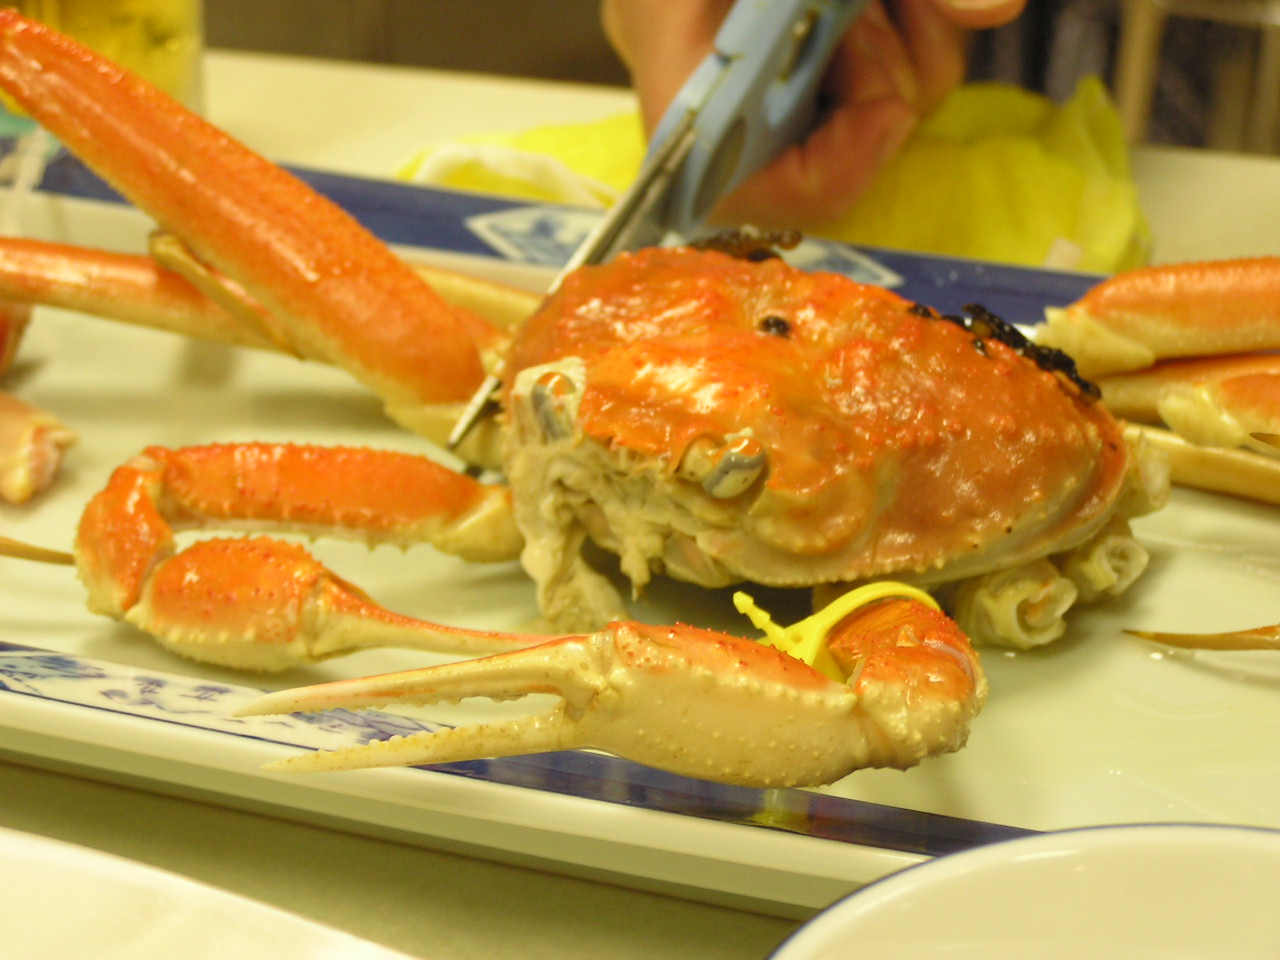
{"x": 365, "y": 120}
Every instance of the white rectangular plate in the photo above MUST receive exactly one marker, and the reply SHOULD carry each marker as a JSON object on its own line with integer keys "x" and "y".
{"x": 1098, "y": 728}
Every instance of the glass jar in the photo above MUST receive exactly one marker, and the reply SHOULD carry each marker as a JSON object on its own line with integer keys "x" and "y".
{"x": 160, "y": 39}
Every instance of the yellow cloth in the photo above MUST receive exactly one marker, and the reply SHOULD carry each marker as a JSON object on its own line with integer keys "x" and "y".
{"x": 583, "y": 163}
{"x": 1002, "y": 174}
{"x": 997, "y": 173}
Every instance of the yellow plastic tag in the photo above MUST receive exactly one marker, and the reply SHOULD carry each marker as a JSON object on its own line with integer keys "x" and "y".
{"x": 806, "y": 640}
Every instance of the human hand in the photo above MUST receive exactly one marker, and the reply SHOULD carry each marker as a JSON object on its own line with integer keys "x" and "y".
{"x": 888, "y": 71}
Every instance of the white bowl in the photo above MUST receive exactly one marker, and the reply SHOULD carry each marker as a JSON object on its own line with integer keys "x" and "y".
{"x": 1150, "y": 892}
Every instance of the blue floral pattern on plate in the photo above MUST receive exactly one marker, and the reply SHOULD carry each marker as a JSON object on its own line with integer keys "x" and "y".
{"x": 209, "y": 706}
{"x": 99, "y": 685}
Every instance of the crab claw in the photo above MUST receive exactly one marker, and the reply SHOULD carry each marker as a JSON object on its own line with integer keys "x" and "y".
{"x": 691, "y": 701}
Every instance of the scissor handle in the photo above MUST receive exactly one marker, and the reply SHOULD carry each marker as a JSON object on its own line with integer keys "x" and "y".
{"x": 755, "y": 94}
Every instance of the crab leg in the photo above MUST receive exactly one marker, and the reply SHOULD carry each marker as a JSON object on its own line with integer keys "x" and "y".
{"x": 31, "y": 440}
{"x": 261, "y": 603}
{"x": 1136, "y": 318}
{"x": 1219, "y": 401}
{"x": 1259, "y": 638}
{"x": 138, "y": 290}
{"x": 1239, "y": 473}
{"x": 31, "y": 445}
{"x": 694, "y": 702}
{"x": 331, "y": 288}
{"x": 126, "y": 287}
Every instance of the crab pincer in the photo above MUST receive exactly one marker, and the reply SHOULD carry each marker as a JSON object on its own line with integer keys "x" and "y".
{"x": 894, "y": 681}
{"x": 32, "y": 440}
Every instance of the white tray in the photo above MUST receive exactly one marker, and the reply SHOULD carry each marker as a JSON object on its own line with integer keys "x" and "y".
{"x": 1099, "y": 728}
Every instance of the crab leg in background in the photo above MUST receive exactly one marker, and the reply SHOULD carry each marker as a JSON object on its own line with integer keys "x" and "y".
{"x": 130, "y": 288}
{"x": 330, "y": 289}
{"x": 1186, "y": 344}
{"x": 1133, "y": 319}
{"x": 1190, "y": 346}
{"x": 31, "y": 440}
{"x": 139, "y": 290}
{"x": 1230, "y": 401}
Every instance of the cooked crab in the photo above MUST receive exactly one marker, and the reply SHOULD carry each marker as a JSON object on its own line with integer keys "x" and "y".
{"x": 705, "y": 417}
{"x": 708, "y": 417}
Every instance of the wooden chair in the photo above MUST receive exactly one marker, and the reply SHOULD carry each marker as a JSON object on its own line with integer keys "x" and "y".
{"x": 1141, "y": 32}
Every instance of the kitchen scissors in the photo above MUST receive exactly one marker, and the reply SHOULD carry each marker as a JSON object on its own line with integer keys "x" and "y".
{"x": 755, "y": 94}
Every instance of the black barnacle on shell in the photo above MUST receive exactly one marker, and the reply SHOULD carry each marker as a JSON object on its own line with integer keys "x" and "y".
{"x": 749, "y": 243}
{"x": 985, "y": 325}
{"x": 775, "y": 326}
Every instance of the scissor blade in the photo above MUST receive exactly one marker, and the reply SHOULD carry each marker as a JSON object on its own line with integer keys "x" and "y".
{"x": 755, "y": 95}
{"x": 486, "y": 396}
{"x": 632, "y": 222}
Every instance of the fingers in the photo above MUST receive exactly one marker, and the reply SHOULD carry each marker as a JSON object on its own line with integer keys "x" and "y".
{"x": 887, "y": 72}
{"x": 875, "y": 60}
{"x": 935, "y": 47}
{"x": 816, "y": 181}
{"x": 661, "y": 43}
{"x": 895, "y": 65}
{"x": 980, "y": 14}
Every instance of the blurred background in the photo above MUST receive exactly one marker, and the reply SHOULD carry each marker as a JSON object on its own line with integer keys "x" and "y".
{"x": 1214, "y": 65}
{"x": 551, "y": 39}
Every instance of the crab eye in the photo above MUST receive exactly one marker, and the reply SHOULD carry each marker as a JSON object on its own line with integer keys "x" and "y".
{"x": 724, "y": 469}
{"x": 550, "y": 396}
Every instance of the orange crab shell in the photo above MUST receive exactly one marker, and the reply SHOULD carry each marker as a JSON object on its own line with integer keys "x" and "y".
{"x": 895, "y": 439}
